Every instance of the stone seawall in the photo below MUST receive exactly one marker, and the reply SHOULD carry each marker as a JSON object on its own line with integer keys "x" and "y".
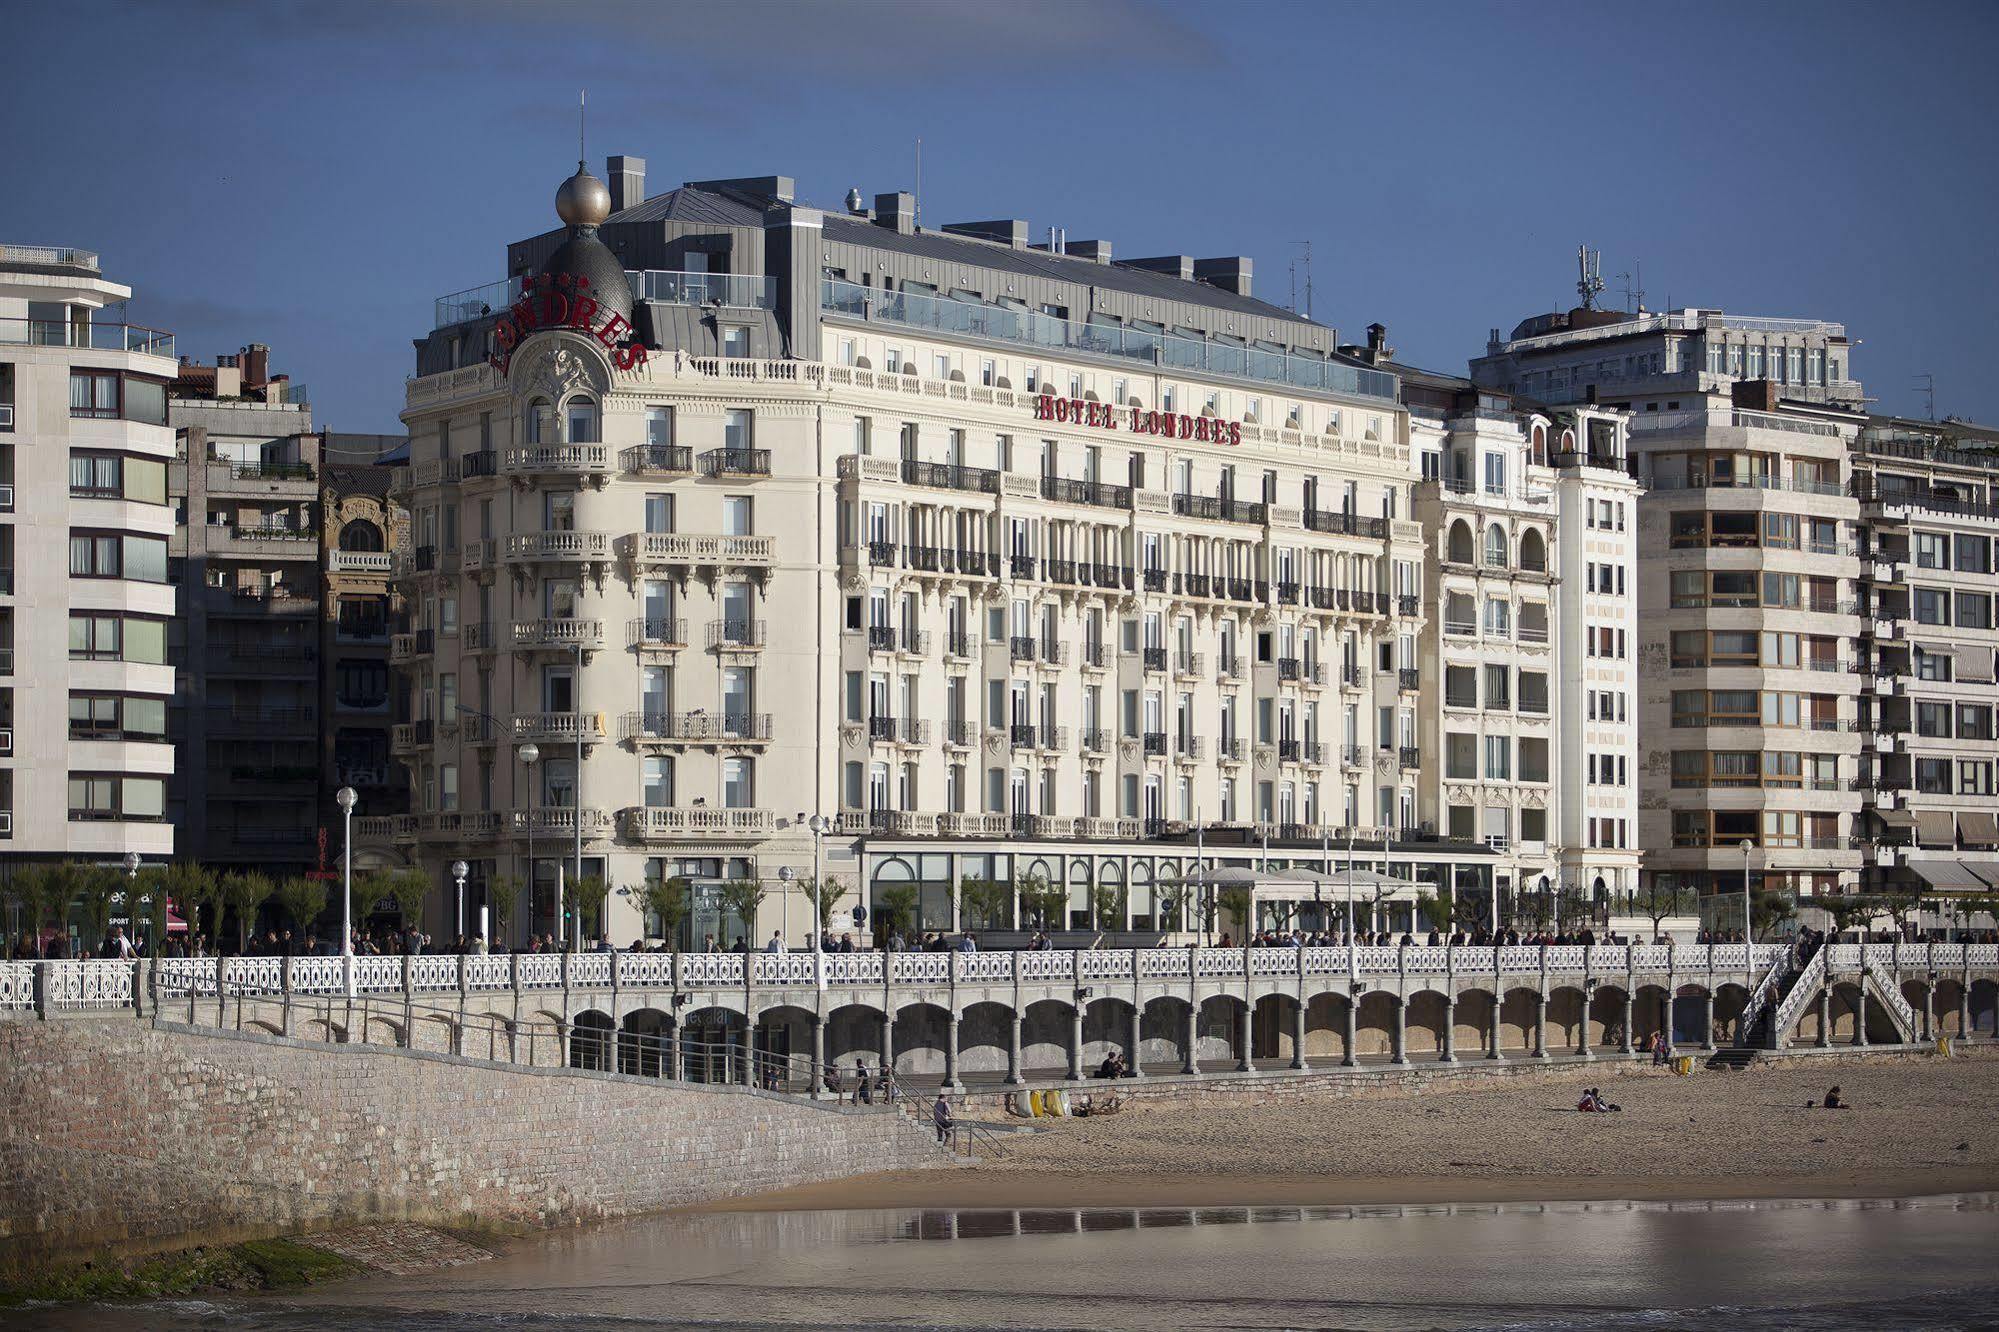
{"x": 120, "y": 1134}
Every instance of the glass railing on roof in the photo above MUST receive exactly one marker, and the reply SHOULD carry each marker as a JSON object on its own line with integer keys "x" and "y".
{"x": 1195, "y": 355}
{"x": 96, "y": 336}
{"x": 750, "y": 290}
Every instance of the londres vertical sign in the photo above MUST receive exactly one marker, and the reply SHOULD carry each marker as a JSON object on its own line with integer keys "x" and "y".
{"x": 1105, "y": 416}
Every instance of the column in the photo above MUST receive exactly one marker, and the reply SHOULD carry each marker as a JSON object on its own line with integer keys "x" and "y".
{"x": 1707, "y": 1015}
{"x": 951, "y": 1082}
{"x": 1964, "y": 1009}
{"x": 1137, "y": 1039}
{"x": 1243, "y": 1063}
{"x": 1825, "y": 1017}
{"x": 1630, "y": 1015}
{"x": 818, "y": 1056}
{"x": 1298, "y": 1038}
{"x": 674, "y": 1069}
{"x": 1449, "y": 1051}
{"x": 1013, "y": 1076}
{"x": 1399, "y": 1037}
{"x": 1353, "y": 1030}
{"x": 1498, "y": 1002}
{"x": 1193, "y": 1065}
{"x": 1076, "y": 1041}
{"x": 1582, "y": 1028}
{"x": 1860, "y": 1011}
{"x": 1541, "y": 1024}
{"x": 888, "y": 1043}
{"x": 1929, "y": 1003}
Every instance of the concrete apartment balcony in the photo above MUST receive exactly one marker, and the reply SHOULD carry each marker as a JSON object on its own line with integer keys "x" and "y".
{"x": 700, "y": 728}
{"x": 586, "y": 460}
{"x": 556, "y": 635}
{"x": 269, "y": 720}
{"x": 361, "y": 561}
{"x": 257, "y": 602}
{"x": 656, "y": 633}
{"x": 560, "y": 547}
{"x": 675, "y": 823}
{"x": 480, "y": 555}
{"x": 559, "y": 821}
{"x": 665, "y": 550}
{"x": 274, "y": 542}
{"x": 657, "y": 460}
{"x": 563, "y": 727}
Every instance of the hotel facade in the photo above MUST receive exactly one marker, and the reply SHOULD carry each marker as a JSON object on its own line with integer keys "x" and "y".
{"x": 750, "y": 540}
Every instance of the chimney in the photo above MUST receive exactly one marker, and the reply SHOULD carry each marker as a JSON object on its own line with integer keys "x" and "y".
{"x": 1096, "y": 251}
{"x": 1758, "y": 395}
{"x": 896, "y": 211}
{"x": 1172, "y": 265}
{"x": 1230, "y": 274}
{"x": 1010, "y": 231}
{"x": 256, "y": 363}
{"x": 627, "y": 176}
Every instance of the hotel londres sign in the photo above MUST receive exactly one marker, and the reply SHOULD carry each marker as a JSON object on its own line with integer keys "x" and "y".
{"x": 1105, "y": 416}
{"x": 562, "y": 300}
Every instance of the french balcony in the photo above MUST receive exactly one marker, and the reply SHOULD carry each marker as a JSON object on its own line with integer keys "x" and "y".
{"x": 730, "y": 635}
{"x": 662, "y": 550}
{"x": 1290, "y": 750}
{"x": 913, "y": 642}
{"x": 1410, "y": 758}
{"x": 1021, "y": 647}
{"x": 651, "y": 632}
{"x": 406, "y": 648}
{"x": 1020, "y": 566}
{"x": 1232, "y": 749}
{"x": 1096, "y": 742}
{"x": 735, "y": 463}
{"x": 1061, "y": 570}
{"x": 696, "y": 823}
{"x": 1197, "y": 584}
{"x": 1409, "y": 679}
{"x": 1189, "y": 665}
{"x": 951, "y": 476}
{"x": 714, "y": 728}
{"x": 1096, "y": 656}
{"x": 565, "y": 547}
{"x": 1288, "y": 668}
{"x": 1098, "y": 494}
{"x": 961, "y": 734}
{"x": 959, "y": 646}
{"x": 480, "y": 555}
{"x": 657, "y": 460}
{"x": 1155, "y": 744}
{"x": 1154, "y": 659}
{"x": 1051, "y": 739}
{"x": 881, "y": 554}
{"x": 911, "y": 731}
{"x": 1021, "y": 734}
{"x": 1190, "y": 748}
{"x": 408, "y": 737}
{"x": 557, "y": 635}
{"x": 479, "y": 638}
{"x": 882, "y": 728}
{"x": 1230, "y": 666}
{"x": 360, "y": 561}
{"x": 1052, "y": 652}
{"x": 586, "y": 460}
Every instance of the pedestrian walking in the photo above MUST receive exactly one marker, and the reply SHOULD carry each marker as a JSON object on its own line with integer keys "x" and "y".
{"x": 940, "y": 1115}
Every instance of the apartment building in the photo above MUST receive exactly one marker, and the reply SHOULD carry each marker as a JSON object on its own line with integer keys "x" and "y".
{"x": 1005, "y": 560}
{"x": 85, "y": 601}
{"x": 1929, "y": 502}
{"x": 361, "y": 609}
{"x": 1749, "y": 631}
{"x": 246, "y": 558}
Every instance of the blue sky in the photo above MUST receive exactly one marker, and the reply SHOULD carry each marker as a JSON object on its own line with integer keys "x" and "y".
{"x": 312, "y": 175}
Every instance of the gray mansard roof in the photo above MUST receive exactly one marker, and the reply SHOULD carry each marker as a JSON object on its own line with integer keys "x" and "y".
{"x": 689, "y": 204}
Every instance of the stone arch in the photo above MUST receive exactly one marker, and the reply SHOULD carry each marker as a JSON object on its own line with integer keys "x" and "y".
{"x": 360, "y": 534}
{"x": 1606, "y": 1015}
{"x": 1428, "y": 1012}
{"x": 1374, "y": 1023}
{"x": 1690, "y": 1016}
{"x": 1946, "y": 1007}
{"x": 1651, "y": 1011}
{"x": 644, "y": 1047}
{"x": 1985, "y": 1007}
{"x": 1533, "y": 550}
{"x": 1218, "y": 1028}
{"x": 1460, "y": 549}
{"x": 1273, "y": 1029}
{"x": 1516, "y": 1019}
{"x": 325, "y": 1029}
{"x": 436, "y": 1032}
{"x": 582, "y": 418}
{"x": 1472, "y": 1027}
{"x": 1567, "y": 1014}
{"x": 379, "y": 1030}
{"x": 268, "y": 1028}
{"x": 1162, "y": 1030}
{"x": 1044, "y": 1036}
{"x": 985, "y": 1030}
{"x": 781, "y": 1045}
{"x": 1729, "y": 1001}
{"x": 921, "y": 1032}
{"x": 1845, "y": 1012}
{"x": 854, "y": 1036}
{"x": 1326, "y": 1025}
{"x": 712, "y": 1041}
{"x": 1106, "y": 1030}
{"x": 592, "y": 1035}
{"x": 1919, "y": 994}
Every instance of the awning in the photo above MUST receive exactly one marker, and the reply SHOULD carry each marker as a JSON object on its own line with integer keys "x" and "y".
{"x": 1936, "y": 649}
{"x": 1978, "y": 829}
{"x": 1975, "y": 666}
{"x": 1936, "y": 827}
{"x": 1985, "y": 870}
{"x": 1896, "y": 818}
{"x": 1948, "y": 875}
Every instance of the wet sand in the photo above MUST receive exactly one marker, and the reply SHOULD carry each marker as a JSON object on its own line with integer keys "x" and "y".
{"x": 1714, "y": 1135}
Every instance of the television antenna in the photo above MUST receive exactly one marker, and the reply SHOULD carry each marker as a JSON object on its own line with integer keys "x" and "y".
{"x": 1927, "y": 384}
{"x": 1589, "y": 265}
{"x": 1308, "y": 279}
{"x": 1638, "y": 292}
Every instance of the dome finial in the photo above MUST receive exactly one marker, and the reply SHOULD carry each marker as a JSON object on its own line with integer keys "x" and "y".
{"x": 583, "y": 200}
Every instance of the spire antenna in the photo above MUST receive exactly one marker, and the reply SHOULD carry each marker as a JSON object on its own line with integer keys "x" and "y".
{"x": 582, "y": 98}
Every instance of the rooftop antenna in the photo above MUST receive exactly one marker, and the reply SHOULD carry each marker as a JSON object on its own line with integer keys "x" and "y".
{"x": 1308, "y": 280}
{"x": 919, "y": 183}
{"x": 1590, "y": 280}
{"x": 1927, "y": 382}
{"x": 582, "y": 97}
{"x": 1638, "y": 291}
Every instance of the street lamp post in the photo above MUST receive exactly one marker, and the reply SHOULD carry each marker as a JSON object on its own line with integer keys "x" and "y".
{"x": 818, "y": 823}
{"x": 132, "y": 898}
{"x": 346, "y": 797}
{"x": 458, "y": 871}
{"x": 529, "y": 754}
{"x": 1748, "y": 934}
{"x": 785, "y": 874}
{"x": 576, "y": 788}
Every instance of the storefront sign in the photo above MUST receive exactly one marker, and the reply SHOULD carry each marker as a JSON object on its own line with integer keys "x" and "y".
{"x": 1166, "y": 425}
{"x": 562, "y": 301}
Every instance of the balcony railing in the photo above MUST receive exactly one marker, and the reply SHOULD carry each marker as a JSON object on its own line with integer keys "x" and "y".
{"x": 735, "y": 462}
{"x": 657, "y": 460}
{"x": 569, "y": 726}
{"x": 676, "y": 822}
{"x": 951, "y": 476}
{"x": 530, "y": 547}
{"x": 1006, "y": 324}
{"x": 558, "y": 633}
{"x": 655, "y": 631}
{"x": 743, "y": 290}
{"x": 1098, "y": 493}
{"x": 557, "y": 460}
{"x": 92, "y": 336}
{"x": 718, "y": 727}
{"x": 732, "y": 633}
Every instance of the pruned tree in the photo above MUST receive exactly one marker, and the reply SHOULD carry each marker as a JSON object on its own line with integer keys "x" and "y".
{"x": 671, "y": 901}
{"x": 1900, "y": 906}
{"x": 1044, "y": 902}
{"x": 898, "y": 905}
{"x": 590, "y": 893}
{"x": 1438, "y": 909}
{"x": 1656, "y": 901}
{"x": 244, "y": 892}
{"x": 986, "y": 898}
{"x": 1177, "y": 904}
{"x": 741, "y": 898}
{"x": 97, "y": 888}
{"x": 502, "y": 892}
{"x": 29, "y": 891}
{"x": 1768, "y": 910}
{"x": 1236, "y": 902}
{"x": 1847, "y": 911}
{"x": 1108, "y": 902}
{"x": 194, "y": 886}
{"x": 302, "y": 899}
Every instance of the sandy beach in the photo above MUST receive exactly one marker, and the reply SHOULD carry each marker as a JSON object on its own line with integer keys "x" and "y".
{"x": 1711, "y": 1135}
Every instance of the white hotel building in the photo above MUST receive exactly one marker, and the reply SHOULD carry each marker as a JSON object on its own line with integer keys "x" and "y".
{"x": 1012, "y": 564}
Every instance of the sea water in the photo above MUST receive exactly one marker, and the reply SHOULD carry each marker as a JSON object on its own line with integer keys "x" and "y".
{"x": 1911, "y": 1263}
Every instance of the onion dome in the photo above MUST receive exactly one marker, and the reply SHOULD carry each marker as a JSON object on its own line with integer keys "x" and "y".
{"x": 583, "y": 202}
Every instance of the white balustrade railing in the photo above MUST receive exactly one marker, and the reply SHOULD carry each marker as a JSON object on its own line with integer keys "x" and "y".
{"x": 1728, "y": 957}
{"x": 1804, "y": 990}
{"x": 860, "y": 968}
{"x": 591, "y": 970}
{"x": 1098, "y": 964}
{"x": 1376, "y": 960}
{"x": 433, "y": 972}
{"x": 538, "y": 971}
{"x": 17, "y": 985}
{"x": 645, "y": 971}
{"x": 1218, "y": 962}
{"x": 377, "y": 975}
{"x": 87, "y": 984}
{"x": 1981, "y": 955}
{"x": 1435, "y": 960}
{"x": 984, "y": 966}
{"x": 1047, "y": 966}
{"x": 1165, "y": 964}
{"x": 1843, "y": 955}
{"x": 489, "y": 971}
{"x": 309, "y": 975}
{"x": 919, "y": 968}
{"x": 1650, "y": 957}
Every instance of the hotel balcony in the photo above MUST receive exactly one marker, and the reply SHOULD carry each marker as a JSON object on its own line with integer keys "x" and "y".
{"x": 360, "y": 561}
{"x": 590, "y": 460}
{"x": 408, "y": 737}
{"x": 712, "y": 728}
{"x": 480, "y": 555}
{"x": 950, "y": 476}
{"x": 661, "y": 550}
{"x": 479, "y": 638}
{"x": 657, "y": 460}
{"x": 557, "y": 635}
{"x": 560, "y": 547}
{"x": 558, "y": 820}
{"x": 656, "y": 633}
{"x": 563, "y": 727}
{"x": 737, "y": 635}
{"x": 674, "y": 823}
{"x": 731, "y": 462}
{"x": 661, "y": 286}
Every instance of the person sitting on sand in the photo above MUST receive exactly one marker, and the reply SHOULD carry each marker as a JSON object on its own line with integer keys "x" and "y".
{"x": 1833, "y": 1101}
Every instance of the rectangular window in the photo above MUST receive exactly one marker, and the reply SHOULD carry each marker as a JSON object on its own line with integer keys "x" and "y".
{"x": 93, "y": 393}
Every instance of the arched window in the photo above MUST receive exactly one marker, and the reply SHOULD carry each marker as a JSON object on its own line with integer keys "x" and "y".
{"x": 537, "y": 424}
{"x": 361, "y": 535}
{"x": 1533, "y": 551}
{"x": 1495, "y": 547}
{"x": 1540, "y": 444}
{"x": 1461, "y": 543}
{"x": 579, "y": 421}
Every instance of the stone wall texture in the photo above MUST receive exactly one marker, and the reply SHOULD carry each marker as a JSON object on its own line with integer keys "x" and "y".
{"x": 118, "y": 1134}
